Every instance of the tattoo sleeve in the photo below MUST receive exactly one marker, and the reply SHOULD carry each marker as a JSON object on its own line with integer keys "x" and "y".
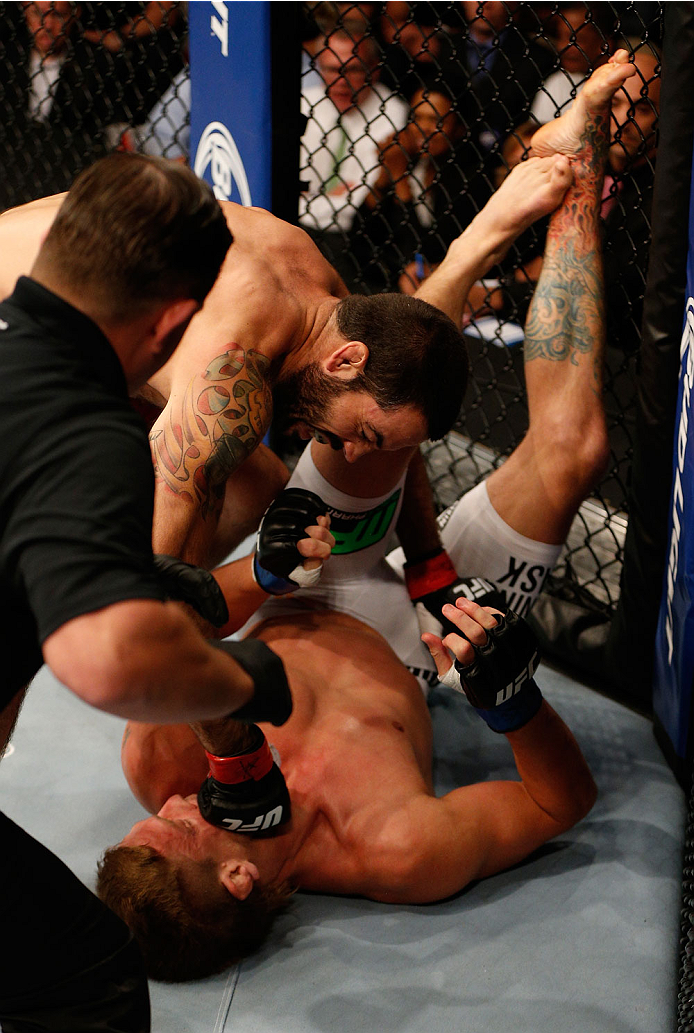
{"x": 566, "y": 317}
{"x": 222, "y": 417}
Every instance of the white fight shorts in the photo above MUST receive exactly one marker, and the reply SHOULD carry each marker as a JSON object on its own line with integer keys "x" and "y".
{"x": 363, "y": 576}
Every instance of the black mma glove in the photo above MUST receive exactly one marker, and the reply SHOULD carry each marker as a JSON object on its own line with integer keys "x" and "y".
{"x": 272, "y": 698}
{"x": 499, "y": 682}
{"x": 277, "y": 563}
{"x": 433, "y": 581}
{"x": 247, "y": 792}
{"x": 194, "y": 586}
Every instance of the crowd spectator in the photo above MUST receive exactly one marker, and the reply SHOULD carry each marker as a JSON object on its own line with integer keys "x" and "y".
{"x": 499, "y": 68}
{"x": 349, "y": 116}
{"x": 582, "y": 36}
{"x": 165, "y": 133}
{"x": 429, "y": 187}
{"x": 413, "y": 41}
{"x": 149, "y": 38}
{"x": 59, "y": 94}
{"x": 629, "y": 196}
{"x": 321, "y": 20}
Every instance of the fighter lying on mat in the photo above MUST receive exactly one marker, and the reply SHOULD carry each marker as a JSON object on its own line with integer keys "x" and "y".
{"x": 356, "y": 753}
{"x": 357, "y": 758}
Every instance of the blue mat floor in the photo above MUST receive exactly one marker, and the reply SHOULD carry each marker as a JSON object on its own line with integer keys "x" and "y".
{"x": 582, "y": 937}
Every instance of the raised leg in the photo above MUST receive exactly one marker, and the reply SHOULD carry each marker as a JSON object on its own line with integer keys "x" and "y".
{"x": 538, "y": 490}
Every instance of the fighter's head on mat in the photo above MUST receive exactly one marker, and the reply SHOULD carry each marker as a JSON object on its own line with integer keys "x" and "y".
{"x": 392, "y": 372}
{"x": 191, "y": 892}
{"x": 136, "y": 239}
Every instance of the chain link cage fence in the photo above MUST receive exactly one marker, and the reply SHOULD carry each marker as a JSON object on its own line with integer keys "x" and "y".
{"x": 447, "y": 98}
{"x": 78, "y": 80}
{"x": 378, "y": 80}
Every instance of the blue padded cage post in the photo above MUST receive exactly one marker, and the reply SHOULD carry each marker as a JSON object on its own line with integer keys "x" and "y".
{"x": 245, "y": 61}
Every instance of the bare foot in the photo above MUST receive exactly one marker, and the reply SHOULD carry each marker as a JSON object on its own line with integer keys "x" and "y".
{"x": 566, "y": 135}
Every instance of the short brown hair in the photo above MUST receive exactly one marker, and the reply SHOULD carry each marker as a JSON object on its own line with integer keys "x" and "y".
{"x": 417, "y": 355}
{"x": 186, "y": 923}
{"x": 135, "y": 231}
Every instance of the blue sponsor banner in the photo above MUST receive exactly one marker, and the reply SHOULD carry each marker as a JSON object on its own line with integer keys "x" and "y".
{"x": 674, "y": 650}
{"x": 231, "y": 102}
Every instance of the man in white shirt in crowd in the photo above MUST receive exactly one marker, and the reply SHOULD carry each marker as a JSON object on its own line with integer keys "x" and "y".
{"x": 581, "y": 35}
{"x": 349, "y": 116}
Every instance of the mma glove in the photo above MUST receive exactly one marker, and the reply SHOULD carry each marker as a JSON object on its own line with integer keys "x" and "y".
{"x": 433, "y": 581}
{"x": 272, "y": 698}
{"x": 247, "y": 792}
{"x": 194, "y": 586}
{"x": 499, "y": 682}
{"x": 277, "y": 563}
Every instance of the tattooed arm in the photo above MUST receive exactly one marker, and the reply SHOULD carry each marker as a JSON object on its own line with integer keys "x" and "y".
{"x": 207, "y": 429}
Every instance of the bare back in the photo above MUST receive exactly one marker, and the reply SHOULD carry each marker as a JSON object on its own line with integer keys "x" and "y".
{"x": 265, "y": 298}
{"x": 22, "y": 231}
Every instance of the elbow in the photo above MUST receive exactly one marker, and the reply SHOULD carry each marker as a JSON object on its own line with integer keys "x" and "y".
{"x": 583, "y": 797}
{"x": 113, "y": 688}
{"x": 106, "y": 682}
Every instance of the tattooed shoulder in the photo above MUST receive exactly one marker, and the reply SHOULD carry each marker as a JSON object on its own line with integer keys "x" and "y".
{"x": 223, "y": 415}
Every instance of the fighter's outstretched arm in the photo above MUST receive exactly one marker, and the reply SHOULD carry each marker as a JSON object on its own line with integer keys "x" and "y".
{"x": 435, "y": 847}
{"x": 534, "y": 188}
{"x": 478, "y": 830}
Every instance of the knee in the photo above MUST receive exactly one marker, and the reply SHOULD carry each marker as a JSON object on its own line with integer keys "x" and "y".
{"x": 582, "y": 457}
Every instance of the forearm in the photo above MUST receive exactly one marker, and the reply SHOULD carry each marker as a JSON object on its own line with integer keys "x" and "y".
{"x": 145, "y": 660}
{"x": 180, "y": 530}
{"x": 532, "y": 190}
{"x": 242, "y": 593}
{"x": 552, "y": 768}
{"x": 479, "y": 247}
{"x": 449, "y": 285}
{"x": 224, "y": 737}
{"x": 417, "y": 529}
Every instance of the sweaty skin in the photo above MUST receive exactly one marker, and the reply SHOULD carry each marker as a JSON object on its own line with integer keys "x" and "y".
{"x": 270, "y": 314}
{"x": 357, "y": 757}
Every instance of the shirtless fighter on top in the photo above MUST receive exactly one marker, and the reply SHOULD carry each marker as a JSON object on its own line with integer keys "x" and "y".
{"x": 279, "y": 320}
{"x": 356, "y": 752}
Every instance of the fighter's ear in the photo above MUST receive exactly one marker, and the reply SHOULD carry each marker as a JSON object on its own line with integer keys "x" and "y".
{"x": 238, "y": 878}
{"x": 347, "y": 361}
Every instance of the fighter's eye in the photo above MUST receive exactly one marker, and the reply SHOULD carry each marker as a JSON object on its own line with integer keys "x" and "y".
{"x": 324, "y": 437}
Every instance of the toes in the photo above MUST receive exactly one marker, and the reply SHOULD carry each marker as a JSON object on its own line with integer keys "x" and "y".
{"x": 562, "y": 172}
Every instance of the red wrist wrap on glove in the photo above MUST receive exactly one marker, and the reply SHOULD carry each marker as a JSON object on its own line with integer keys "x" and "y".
{"x": 430, "y": 575}
{"x": 244, "y": 768}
